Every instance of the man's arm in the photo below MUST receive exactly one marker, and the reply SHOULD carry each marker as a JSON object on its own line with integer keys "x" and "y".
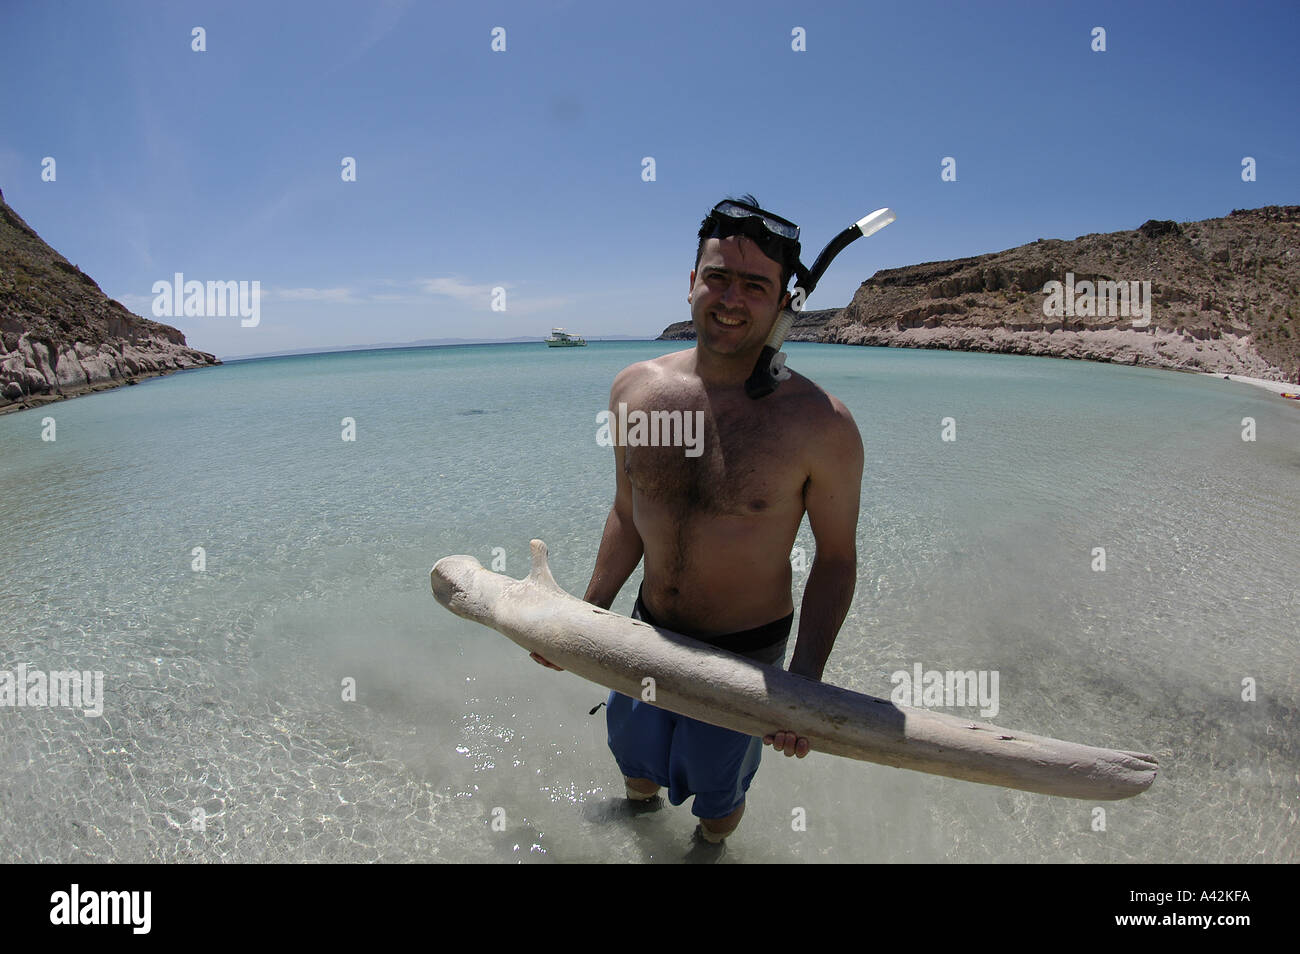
{"x": 832, "y": 499}
{"x": 621, "y": 547}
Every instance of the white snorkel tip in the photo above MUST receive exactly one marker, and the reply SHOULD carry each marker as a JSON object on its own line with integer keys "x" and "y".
{"x": 876, "y": 221}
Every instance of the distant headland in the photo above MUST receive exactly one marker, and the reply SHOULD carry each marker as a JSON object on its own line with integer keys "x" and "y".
{"x": 1219, "y": 295}
{"x": 61, "y": 336}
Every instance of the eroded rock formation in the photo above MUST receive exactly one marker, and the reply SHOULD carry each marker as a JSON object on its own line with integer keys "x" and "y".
{"x": 60, "y": 335}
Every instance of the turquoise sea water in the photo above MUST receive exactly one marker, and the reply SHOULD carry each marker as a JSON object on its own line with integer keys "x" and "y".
{"x": 225, "y": 735}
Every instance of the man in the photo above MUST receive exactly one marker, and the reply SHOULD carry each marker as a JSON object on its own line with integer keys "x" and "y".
{"x": 716, "y": 528}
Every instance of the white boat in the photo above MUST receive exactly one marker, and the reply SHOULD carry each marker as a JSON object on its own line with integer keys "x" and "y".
{"x": 562, "y": 339}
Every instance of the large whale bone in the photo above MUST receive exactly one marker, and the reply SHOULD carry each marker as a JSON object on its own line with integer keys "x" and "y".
{"x": 719, "y": 687}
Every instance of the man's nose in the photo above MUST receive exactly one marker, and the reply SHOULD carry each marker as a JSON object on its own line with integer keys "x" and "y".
{"x": 732, "y": 292}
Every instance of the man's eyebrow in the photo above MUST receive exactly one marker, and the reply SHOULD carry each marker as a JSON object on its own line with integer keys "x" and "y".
{"x": 748, "y": 276}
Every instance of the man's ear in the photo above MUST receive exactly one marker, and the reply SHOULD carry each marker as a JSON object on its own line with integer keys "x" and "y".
{"x": 692, "y": 291}
{"x": 785, "y": 302}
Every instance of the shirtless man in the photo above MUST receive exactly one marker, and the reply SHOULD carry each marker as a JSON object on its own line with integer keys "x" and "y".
{"x": 716, "y": 529}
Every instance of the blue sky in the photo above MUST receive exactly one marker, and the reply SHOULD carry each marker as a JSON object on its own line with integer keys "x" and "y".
{"x": 522, "y": 169}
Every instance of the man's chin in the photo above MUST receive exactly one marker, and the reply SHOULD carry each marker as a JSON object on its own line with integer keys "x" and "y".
{"x": 720, "y": 337}
{"x": 725, "y": 347}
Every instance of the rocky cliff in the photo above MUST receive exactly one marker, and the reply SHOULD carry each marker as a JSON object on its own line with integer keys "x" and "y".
{"x": 60, "y": 335}
{"x": 1223, "y": 296}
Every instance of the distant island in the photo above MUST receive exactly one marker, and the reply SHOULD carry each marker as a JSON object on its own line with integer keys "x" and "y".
{"x": 61, "y": 336}
{"x": 422, "y": 343}
{"x": 1223, "y": 297}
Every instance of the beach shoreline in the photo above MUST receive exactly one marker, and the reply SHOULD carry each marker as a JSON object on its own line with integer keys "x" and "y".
{"x": 30, "y": 402}
{"x": 1277, "y": 387}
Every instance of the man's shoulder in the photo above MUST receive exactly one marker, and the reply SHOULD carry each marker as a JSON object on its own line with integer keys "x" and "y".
{"x": 831, "y": 434}
{"x": 814, "y": 404}
{"x": 653, "y": 372}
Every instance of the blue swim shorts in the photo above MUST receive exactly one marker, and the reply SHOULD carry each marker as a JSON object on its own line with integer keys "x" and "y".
{"x": 684, "y": 755}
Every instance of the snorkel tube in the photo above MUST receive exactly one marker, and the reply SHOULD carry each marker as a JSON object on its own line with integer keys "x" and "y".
{"x": 770, "y": 367}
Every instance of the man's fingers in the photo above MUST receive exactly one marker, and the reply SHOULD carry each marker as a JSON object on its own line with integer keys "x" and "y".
{"x": 790, "y": 744}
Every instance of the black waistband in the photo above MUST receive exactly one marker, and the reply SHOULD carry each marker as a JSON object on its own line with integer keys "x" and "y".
{"x": 760, "y": 637}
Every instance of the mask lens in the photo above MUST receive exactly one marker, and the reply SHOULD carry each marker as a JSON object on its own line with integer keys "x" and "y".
{"x": 773, "y": 223}
{"x": 777, "y": 237}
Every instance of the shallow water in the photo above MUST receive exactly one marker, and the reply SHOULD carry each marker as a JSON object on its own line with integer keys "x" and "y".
{"x": 225, "y": 734}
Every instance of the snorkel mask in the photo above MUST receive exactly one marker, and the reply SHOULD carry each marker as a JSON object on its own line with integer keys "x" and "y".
{"x": 778, "y": 239}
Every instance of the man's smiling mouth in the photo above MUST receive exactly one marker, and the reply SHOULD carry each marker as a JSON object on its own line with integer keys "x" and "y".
{"x": 729, "y": 322}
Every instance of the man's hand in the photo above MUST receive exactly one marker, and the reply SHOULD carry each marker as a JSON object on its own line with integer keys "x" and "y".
{"x": 546, "y": 662}
{"x": 789, "y": 743}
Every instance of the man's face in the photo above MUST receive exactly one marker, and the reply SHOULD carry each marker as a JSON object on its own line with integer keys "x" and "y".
{"x": 735, "y": 296}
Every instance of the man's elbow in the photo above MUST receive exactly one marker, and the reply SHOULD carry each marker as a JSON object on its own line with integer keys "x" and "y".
{"x": 837, "y": 563}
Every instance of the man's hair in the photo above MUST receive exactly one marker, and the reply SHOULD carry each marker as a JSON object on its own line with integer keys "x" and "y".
{"x": 706, "y": 229}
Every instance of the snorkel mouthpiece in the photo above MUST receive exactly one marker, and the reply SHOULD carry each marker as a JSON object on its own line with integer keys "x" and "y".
{"x": 770, "y": 367}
